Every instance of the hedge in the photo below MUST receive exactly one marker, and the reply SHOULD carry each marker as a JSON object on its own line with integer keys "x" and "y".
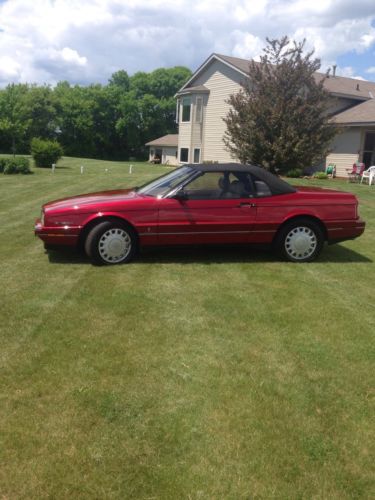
{"x": 18, "y": 165}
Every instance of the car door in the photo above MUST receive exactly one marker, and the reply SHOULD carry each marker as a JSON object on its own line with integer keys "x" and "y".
{"x": 209, "y": 213}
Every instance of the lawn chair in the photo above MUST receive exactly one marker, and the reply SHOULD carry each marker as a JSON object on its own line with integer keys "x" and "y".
{"x": 369, "y": 174}
{"x": 331, "y": 170}
{"x": 357, "y": 171}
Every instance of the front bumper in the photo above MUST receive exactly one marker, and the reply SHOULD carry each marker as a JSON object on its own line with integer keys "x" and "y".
{"x": 64, "y": 235}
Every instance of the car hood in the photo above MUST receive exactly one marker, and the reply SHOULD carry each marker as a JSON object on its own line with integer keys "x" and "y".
{"x": 86, "y": 200}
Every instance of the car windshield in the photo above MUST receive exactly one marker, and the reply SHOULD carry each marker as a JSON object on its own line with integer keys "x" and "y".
{"x": 161, "y": 186}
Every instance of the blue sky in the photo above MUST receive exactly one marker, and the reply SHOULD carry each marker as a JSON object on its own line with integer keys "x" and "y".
{"x": 85, "y": 41}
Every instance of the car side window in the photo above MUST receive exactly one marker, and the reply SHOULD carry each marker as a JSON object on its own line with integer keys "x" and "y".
{"x": 204, "y": 187}
{"x": 219, "y": 185}
{"x": 261, "y": 188}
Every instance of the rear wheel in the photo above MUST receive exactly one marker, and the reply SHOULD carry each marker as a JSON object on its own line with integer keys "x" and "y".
{"x": 111, "y": 243}
{"x": 300, "y": 240}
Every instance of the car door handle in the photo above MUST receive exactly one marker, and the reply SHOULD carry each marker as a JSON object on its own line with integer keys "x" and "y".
{"x": 243, "y": 204}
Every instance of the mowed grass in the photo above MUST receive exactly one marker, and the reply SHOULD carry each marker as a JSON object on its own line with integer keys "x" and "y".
{"x": 197, "y": 374}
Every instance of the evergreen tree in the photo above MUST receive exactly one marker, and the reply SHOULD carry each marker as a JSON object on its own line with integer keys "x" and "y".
{"x": 279, "y": 119}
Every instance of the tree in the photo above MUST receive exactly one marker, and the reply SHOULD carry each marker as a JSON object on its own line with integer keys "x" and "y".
{"x": 120, "y": 79}
{"x": 41, "y": 106}
{"x": 279, "y": 119}
{"x": 15, "y": 116}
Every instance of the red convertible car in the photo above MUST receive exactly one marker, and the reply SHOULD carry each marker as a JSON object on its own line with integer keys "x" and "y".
{"x": 202, "y": 204}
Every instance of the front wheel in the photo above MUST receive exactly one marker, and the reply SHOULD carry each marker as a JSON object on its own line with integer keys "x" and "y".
{"x": 111, "y": 243}
{"x": 300, "y": 241}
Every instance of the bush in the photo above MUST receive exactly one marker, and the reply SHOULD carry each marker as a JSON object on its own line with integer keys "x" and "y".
{"x": 45, "y": 153}
{"x": 20, "y": 165}
{"x": 320, "y": 175}
{"x": 2, "y": 164}
{"x": 294, "y": 172}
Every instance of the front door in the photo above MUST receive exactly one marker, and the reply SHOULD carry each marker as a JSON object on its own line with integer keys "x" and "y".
{"x": 217, "y": 209}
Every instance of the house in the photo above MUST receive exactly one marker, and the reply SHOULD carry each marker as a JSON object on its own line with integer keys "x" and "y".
{"x": 202, "y": 105}
{"x": 164, "y": 150}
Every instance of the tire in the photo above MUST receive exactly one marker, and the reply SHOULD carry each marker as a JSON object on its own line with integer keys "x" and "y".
{"x": 111, "y": 243}
{"x": 300, "y": 240}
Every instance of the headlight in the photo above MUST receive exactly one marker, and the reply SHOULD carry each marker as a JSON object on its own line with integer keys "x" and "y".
{"x": 42, "y": 217}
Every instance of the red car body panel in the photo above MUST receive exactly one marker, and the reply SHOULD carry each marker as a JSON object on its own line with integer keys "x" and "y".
{"x": 170, "y": 221}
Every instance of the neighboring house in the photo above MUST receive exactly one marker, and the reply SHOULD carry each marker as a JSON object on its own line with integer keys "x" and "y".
{"x": 164, "y": 149}
{"x": 202, "y": 105}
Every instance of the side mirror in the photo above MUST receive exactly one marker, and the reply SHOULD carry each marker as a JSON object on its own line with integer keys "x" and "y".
{"x": 181, "y": 195}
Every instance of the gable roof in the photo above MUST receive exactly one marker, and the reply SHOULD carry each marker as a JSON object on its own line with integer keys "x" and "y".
{"x": 339, "y": 86}
{"x": 363, "y": 113}
{"x": 201, "y": 89}
{"x": 167, "y": 140}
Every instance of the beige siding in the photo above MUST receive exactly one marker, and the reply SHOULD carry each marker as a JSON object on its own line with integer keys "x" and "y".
{"x": 184, "y": 138}
{"x": 169, "y": 156}
{"x": 222, "y": 81}
{"x": 345, "y": 150}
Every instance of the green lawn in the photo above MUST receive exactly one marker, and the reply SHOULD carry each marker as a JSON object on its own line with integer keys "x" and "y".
{"x": 188, "y": 374}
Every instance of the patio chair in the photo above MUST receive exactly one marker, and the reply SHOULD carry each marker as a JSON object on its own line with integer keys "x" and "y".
{"x": 331, "y": 170}
{"x": 357, "y": 171}
{"x": 369, "y": 174}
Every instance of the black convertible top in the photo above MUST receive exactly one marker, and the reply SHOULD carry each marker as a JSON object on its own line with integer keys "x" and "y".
{"x": 276, "y": 185}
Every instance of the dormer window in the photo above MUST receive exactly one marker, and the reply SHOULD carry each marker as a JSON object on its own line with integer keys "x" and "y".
{"x": 186, "y": 109}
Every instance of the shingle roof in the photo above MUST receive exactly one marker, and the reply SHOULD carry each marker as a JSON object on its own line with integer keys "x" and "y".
{"x": 340, "y": 85}
{"x": 360, "y": 114}
{"x": 197, "y": 88}
{"x": 167, "y": 140}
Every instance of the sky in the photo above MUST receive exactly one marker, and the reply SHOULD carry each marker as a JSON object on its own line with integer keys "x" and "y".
{"x": 85, "y": 41}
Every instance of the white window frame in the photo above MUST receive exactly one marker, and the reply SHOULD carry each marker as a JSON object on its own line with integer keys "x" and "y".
{"x": 199, "y": 156}
{"x": 188, "y": 98}
{"x": 188, "y": 152}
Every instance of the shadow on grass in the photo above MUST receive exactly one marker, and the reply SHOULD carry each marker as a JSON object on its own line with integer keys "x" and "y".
{"x": 212, "y": 255}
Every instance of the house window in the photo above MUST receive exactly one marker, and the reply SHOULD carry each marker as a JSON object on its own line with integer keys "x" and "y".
{"x": 368, "y": 157}
{"x": 186, "y": 108}
{"x": 197, "y": 155}
{"x": 198, "y": 110}
{"x": 184, "y": 155}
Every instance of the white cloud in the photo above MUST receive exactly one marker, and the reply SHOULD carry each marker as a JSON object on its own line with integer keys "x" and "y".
{"x": 85, "y": 41}
{"x": 348, "y": 71}
{"x": 69, "y": 55}
{"x": 9, "y": 68}
{"x": 246, "y": 45}
{"x": 371, "y": 70}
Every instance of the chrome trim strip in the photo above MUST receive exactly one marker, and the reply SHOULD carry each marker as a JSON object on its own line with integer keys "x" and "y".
{"x": 59, "y": 235}
{"x": 195, "y": 232}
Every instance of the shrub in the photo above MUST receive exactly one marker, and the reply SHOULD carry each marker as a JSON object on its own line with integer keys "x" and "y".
{"x": 320, "y": 175}
{"x": 20, "y": 165}
{"x": 45, "y": 153}
{"x": 2, "y": 164}
{"x": 294, "y": 172}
